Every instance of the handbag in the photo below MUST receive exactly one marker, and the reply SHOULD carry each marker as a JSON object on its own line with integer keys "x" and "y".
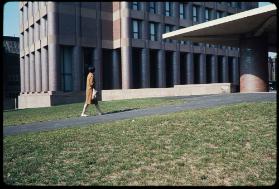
{"x": 94, "y": 93}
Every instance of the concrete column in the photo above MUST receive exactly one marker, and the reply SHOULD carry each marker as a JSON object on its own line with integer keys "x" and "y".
{"x": 214, "y": 69}
{"x": 115, "y": 69}
{"x": 77, "y": 59}
{"x": 189, "y": 59}
{"x": 36, "y": 32}
{"x": 235, "y": 71}
{"x": 38, "y": 71}
{"x": 145, "y": 22}
{"x": 235, "y": 74}
{"x": 27, "y": 74}
{"x": 201, "y": 13}
{"x": 32, "y": 73}
{"x": 145, "y": 68}
{"x": 202, "y": 68}
{"x": 253, "y": 65}
{"x": 176, "y": 67}
{"x": 225, "y": 70}
{"x": 189, "y": 12}
{"x": 126, "y": 50}
{"x": 31, "y": 36}
{"x": 161, "y": 68}
{"x": 77, "y": 68}
{"x": 42, "y": 27}
{"x": 45, "y": 69}
{"x": 22, "y": 75}
{"x": 97, "y": 52}
{"x": 53, "y": 48}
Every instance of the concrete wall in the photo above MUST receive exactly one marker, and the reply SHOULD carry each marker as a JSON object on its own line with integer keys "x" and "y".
{"x": 177, "y": 90}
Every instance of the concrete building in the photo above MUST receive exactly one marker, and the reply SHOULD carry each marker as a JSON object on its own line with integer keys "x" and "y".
{"x": 254, "y": 42}
{"x": 11, "y": 73}
{"x": 123, "y": 40}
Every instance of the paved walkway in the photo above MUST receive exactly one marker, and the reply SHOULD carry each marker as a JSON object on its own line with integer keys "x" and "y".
{"x": 191, "y": 103}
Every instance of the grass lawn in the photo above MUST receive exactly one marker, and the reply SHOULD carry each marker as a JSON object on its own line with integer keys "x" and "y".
{"x": 74, "y": 110}
{"x": 228, "y": 145}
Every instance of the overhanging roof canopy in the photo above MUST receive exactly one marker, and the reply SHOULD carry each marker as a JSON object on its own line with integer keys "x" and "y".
{"x": 228, "y": 30}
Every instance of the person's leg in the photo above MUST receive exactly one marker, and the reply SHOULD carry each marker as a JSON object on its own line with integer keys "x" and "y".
{"x": 97, "y": 107}
{"x": 84, "y": 109}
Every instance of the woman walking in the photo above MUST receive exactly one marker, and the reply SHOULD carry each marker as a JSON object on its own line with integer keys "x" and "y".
{"x": 90, "y": 98}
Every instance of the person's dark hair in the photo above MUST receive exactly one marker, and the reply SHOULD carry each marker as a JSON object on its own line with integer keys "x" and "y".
{"x": 91, "y": 69}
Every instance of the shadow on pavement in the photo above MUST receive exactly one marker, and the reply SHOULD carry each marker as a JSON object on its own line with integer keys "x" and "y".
{"x": 117, "y": 111}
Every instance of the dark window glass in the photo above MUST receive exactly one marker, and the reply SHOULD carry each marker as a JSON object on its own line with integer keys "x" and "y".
{"x": 66, "y": 69}
{"x": 152, "y": 7}
{"x": 168, "y": 28}
{"x": 167, "y": 8}
{"x": 153, "y": 31}
{"x": 195, "y": 13}
{"x": 135, "y": 5}
{"x": 207, "y": 14}
{"x": 135, "y": 29}
{"x": 219, "y": 14}
{"x": 182, "y": 10}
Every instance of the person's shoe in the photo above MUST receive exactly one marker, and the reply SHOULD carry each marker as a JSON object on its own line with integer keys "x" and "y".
{"x": 83, "y": 115}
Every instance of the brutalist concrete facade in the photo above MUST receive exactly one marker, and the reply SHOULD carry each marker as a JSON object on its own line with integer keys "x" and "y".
{"x": 123, "y": 40}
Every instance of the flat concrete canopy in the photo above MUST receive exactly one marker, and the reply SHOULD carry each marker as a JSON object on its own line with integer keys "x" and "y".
{"x": 231, "y": 29}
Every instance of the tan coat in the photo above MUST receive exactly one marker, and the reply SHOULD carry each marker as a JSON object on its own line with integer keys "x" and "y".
{"x": 89, "y": 88}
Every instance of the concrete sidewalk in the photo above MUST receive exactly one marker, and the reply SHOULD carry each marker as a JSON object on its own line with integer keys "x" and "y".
{"x": 191, "y": 103}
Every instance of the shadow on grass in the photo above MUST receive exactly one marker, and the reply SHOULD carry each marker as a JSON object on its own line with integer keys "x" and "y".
{"x": 118, "y": 111}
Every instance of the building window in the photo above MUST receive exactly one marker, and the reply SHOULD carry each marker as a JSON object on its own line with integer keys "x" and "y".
{"x": 152, "y": 7}
{"x": 167, "y": 8}
{"x": 182, "y": 42}
{"x": 135, "y": 5}
{"x": 239, "y": 5}
{"x": 168, "y": 28}
{"x": 219, "y": 14}
{"x": 195, "y": 13}
{"x": 153, "y": 31}
{"x": 136, "y": 29}
{"x": 182, "y": 10}
{"x": 207, "y": 14}
{"x": 66, "y": 68}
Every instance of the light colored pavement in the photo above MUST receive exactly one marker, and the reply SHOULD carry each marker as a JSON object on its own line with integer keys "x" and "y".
{"x": 191, "y": 103}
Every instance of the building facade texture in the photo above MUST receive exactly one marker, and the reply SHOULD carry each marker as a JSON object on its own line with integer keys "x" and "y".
{"x": 123, "y": 40}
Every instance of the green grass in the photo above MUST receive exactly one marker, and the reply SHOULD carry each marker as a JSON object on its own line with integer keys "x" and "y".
{"x": 25, "y": 116}
{"x": 229, "y": 145}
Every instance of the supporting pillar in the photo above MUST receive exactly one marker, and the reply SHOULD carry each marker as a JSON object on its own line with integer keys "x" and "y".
{"x": 115, "y": 69}
{"x": 27, "y": 74}
{"x": 97, "y": 54}
{"x": 176, "y": 67}
{"x": 77, "y": 68}
{"x": 161, "y": 68}
{"x": 126, "y": 49}
{"x": 189, "y": 68}
{"x": 22, "y": 75}
{"x": 45, "y": 70}
{"x": 225, "y": 70}
{"x": 38, "y": 71}
{"x": 53, "y": 48}
{"x": 145, "y": 68}
{"x": 202, "y": 69}
{"x": 32, "y": 73}
{"x": 98, "y": 50}
{"x": 235, "y": 74}
{"x": 214, "y": 69}
{"x": 253, "y": 65}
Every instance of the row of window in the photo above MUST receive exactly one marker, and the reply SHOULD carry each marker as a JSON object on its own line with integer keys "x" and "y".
{"x": 168, "y": 8}
{"x": 31, "y": 35}
{"x": 136, "y": 31}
